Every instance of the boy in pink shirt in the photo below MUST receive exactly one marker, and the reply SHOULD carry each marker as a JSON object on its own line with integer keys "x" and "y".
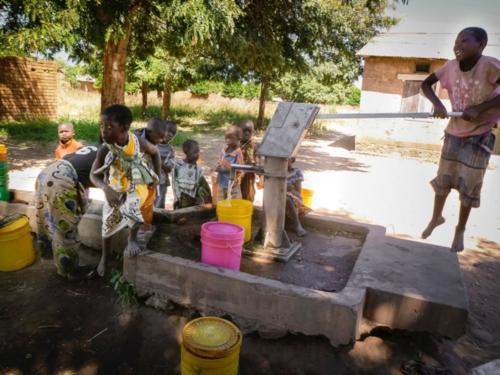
{"x": 473, "y": 84}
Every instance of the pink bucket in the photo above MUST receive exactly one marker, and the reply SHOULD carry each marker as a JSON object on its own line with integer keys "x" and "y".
{"x": 221, "y": 244}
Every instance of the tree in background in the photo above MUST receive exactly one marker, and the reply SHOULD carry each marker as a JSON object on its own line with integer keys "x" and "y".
{"x": 108, "y": 29}
{"x": 275, "y": 37}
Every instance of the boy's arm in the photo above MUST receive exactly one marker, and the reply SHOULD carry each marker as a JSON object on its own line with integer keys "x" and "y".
{"x": 150, "y": 149}
{"x": 439, "y": 108}
{"x": 473, "y": 112}
{"x": 98, "y": 180}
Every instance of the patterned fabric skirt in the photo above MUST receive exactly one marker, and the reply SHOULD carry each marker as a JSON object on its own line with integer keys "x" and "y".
{"x": 137, "y": 207}
{"x": 60, "y": 204}
{"x": 462, "y": 166}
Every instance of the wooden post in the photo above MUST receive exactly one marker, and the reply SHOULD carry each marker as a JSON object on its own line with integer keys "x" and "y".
{"x": 274, "y": 201}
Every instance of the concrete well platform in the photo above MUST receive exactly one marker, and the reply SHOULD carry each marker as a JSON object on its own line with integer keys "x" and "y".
{"x": 396, "y": 283}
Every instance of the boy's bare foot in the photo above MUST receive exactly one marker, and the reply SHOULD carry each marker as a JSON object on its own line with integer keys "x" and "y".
{"x": 430, "y": 227}
{"x": 458, "y": 241}
{"x": 132, "y": 249}
{"x": 101, "y": 268}
{"x": 301, "y": 232}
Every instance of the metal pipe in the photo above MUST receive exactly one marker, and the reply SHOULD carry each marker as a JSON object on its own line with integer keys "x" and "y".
{"x": 331, "y": 116}
{"x": 245, "y": 167}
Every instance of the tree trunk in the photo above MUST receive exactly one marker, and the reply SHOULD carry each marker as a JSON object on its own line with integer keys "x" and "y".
{"x": 114, "y": 73}
{"x": 264, "y": 90}
{"x": 167, "y": 99}
{"x": 144, "y": 92}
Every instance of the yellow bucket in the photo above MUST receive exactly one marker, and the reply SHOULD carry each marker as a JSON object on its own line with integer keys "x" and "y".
{"x": 307, "y": 197}
{"x": 237, "y": 211}
{"x": 210, "y": 346}
{"x": 16, "y": 245}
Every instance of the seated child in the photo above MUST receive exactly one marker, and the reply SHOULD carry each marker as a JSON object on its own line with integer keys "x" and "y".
{"x": 126, "y": 179}
{"x": 159, "y": 132}
{"x": 295, "y": 208}
{"x": 190, "y": 186}
{"x": 247, "y": 184}
{"x": 167, "y": 162}
{"x": 67, "y": 144}
{"x": 230, "y": 155}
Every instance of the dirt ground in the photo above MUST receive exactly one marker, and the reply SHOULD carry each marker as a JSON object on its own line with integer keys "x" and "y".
{"x": 47, "y": 326}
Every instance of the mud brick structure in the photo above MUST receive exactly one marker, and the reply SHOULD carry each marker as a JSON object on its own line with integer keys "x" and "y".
{"x": 28, "y": 89}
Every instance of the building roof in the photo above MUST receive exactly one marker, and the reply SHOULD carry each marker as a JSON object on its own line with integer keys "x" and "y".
{"x": 421, "y": 45}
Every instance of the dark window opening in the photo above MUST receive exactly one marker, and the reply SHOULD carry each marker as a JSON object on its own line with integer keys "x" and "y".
{"x": 423, "y": 68}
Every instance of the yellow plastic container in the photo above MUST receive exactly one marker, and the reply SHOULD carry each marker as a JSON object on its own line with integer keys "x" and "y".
{"x": 16, "y": 245}
{"x": 307, "y": 197}
{"x": 210, "y": 346}
{"x": 236, "y": 211}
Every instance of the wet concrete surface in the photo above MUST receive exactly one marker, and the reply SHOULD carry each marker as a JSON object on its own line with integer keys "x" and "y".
{"x": 324, "y": 263}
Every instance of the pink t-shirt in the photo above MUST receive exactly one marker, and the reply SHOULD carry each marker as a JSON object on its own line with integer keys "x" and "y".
{"x": 471, "y": 88}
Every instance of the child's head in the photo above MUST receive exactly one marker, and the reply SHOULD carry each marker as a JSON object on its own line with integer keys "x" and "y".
{"x": 247, "y": 129}
{"x": 470, "y": 42}
{"x": 233, "y": 136}
{"x": 65, "y": 131}
{"x": 171, "y": 130}
{"x": 192, "y": 150}
{"x": 290, "y": 163}
{"x": 156, "y": 131}
{"x": 115, "y": 121}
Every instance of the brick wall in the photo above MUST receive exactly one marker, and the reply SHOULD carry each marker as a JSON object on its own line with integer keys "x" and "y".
{"x": 28, "y": 89}
{"x": 380, "y": 73}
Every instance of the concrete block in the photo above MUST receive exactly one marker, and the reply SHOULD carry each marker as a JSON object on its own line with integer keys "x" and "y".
{"x": 264, "y": 302}
{"x": 412, "y": 286}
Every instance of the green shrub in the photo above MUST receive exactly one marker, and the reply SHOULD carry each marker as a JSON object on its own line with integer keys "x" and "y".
{"x": 126, "y": 292}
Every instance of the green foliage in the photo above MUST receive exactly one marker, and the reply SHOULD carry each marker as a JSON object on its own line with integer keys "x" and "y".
{"x": 310, "y": 90}
{"x": 46, "y": 130}
{"x": 34, "y": 26}
{"x": 126, "y": 292}
{"x": 204, "y": 88}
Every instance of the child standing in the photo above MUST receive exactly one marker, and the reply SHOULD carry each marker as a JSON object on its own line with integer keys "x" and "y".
{"x": 167, "y": 162}
{"x": 190, "y": 186}
{"x": 230, "y": 155}
{"x": 473, "y": 84}
{"x": 122, "y": 173}
{"x": 67, "y": 144}
{"x": 295, "y": 208}
{"x": 159, "y": 133}
{"x": 247, "y": 184}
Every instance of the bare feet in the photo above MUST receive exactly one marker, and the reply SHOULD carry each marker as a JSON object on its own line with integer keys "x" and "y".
{"x": 132, "y": 249}
{"x": 301, "y": 232}
{"x": 101, "y": 268}
{"x": 430, "y": 227}
{"x": 458, "y": 241}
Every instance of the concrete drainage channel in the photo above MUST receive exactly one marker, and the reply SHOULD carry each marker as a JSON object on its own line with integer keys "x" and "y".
{"x": 395, "y": 283}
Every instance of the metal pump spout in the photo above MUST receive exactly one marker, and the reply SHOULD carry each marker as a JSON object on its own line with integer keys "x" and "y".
{"x": 245, "y": 167}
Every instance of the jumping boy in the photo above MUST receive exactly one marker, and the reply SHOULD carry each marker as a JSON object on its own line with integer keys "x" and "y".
{"x": 190, "y": 186}
{"x": 67, "y": 144}
{"x": 126, "y": 179}
{"x": 473, "y": 84}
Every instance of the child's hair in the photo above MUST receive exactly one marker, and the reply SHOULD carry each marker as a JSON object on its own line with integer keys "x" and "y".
{"x": 246, "y": 123}
{"x": 68, "y": 124}
{"x": 479, "y": 34}
{"x": 155, "y": 123}
{"x": 170, "y": 124}
{"x": 188, "y": 145}
{"x": 233, "y": 129}
{"x": 120, "y": 114}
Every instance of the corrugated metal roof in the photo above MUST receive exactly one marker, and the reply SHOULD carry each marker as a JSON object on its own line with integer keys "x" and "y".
{"x": 421, "y": 45}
